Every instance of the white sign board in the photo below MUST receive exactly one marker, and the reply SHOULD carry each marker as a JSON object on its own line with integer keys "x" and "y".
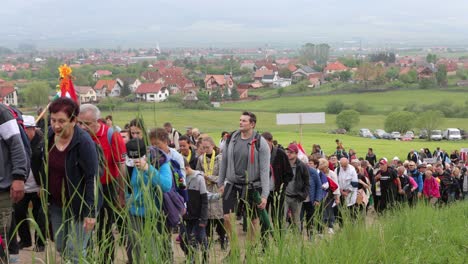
{"x": 430, "y": 160}
{"x": 300, "y": 118}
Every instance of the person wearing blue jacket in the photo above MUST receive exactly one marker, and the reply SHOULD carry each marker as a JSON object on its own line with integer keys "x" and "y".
{"x": 312, "y": 203}
{"x": 414, "y": 172}
{"x": 142, "y": 201}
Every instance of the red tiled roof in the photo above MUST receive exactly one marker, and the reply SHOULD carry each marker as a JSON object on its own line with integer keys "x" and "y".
{"x": 6, "y": 90}
{"x": 219, "y": 79}
{"x": 83, "y": 89}
{"x": 2, "y": 81}
{"x": 282, "y": 61}
{"x": 145, "y": 88}
{"x": 405, "y": 70}
{"x": 292, "y": 67}
{"x": 261, "y": 73}
{"x": 335, "y": 66}
{"x": 109, "y": 84}
{"x": 103, "y": 72}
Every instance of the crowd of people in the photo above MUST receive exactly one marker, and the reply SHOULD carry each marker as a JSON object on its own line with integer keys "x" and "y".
{"x": 96, "y": 171}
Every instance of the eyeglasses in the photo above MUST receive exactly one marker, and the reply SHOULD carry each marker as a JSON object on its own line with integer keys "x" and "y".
{"x": 86, "y": 123}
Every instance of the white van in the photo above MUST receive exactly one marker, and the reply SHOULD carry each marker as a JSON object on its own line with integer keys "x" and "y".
{"x": 452, "y": 134}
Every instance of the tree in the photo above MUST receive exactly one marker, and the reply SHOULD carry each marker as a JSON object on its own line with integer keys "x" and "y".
{"x": 410, "y": 77}
{"x": 344, "y": 76}
{"x": 430, "y": 120}
{"x": 235, "y": 94}
{"x": 431, "y": 58}
{"x": 441, "y": 75}
{"x": 427, "y": 83}
{"x": 347, "y": 119}
{"x": 392, "y": 73}
{"x": 284, "y": 73}
{"x": 311, "y": 52}
{"x": 349, "y": 62}
{"x": 365, "y": 72}
{"x": 400, "y": 121}
{"x": 386, "y": 57}
{"x": 37, "y": 93}
{"x": 334, "y": 106}
{"x": 216, "y": 95}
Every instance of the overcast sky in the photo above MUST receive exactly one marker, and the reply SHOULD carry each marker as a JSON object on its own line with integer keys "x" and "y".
{"x": 140, "y": 23}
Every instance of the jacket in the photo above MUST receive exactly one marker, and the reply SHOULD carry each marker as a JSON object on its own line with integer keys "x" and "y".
{"x": 281, "y": 169}
{"x": 38, "y": 157}
{"x": 431, "y": 188}
{"x": 417, "y": 176}
{"x": 13, "y": 157}
{"x": 197, "y": 205}
{"x": 141, "y": 195}
{"x": 301, "y": 183}
{"x": 215, "y": 207}
{"x": 81, "y": 168}
{"x": 315, "y": 190}
{"x": 258, "y": 168}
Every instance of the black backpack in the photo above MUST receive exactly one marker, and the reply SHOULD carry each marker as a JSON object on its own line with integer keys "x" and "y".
{"x": 257, "y": 139}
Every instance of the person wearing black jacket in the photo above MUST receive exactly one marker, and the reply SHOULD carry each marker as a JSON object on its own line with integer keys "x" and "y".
{"x": 298, "y": 188}
{"x": 32, "y": 189}
{"x": 196, "y": 218}
{"x": 280, "y": 175}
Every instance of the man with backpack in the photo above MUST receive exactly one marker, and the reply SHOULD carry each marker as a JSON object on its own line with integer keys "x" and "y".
{"x": 244, "y": 172}
{"x": 13, "y": 171}
{"x": 280, "y": 175}
{"x": 112, "y": 178}
{"x": 173, "y": 135}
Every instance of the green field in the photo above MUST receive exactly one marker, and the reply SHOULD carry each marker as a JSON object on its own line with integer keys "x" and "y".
{"x": 379, "y": 103}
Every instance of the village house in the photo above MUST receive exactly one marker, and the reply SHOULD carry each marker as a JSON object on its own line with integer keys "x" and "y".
{"x": 243, "y": 93}
{"x": 8, "y": 67}
{"x": 304, "y": 72}
{"x": 86, "y": 94}
{"x": 132, "y": 83}
{"x": 101, "y": 73}
{"x": 334, "y": 67}
{"x": 106, "y": 88}
{"x": 8, "y": 95}
{"x": 247, "y": 64}
{"x": 213, "y": 82}
{"x": 152, "y": 92}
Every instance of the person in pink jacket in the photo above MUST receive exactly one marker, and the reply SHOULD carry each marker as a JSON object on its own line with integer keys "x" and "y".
{"x": 431, "y": 188}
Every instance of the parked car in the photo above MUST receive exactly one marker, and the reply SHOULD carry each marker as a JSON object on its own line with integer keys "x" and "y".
{"x": 436, "y": 135}
{"x": 396, "y": 135}
{"x": 463, "y": 134}
{"x": 406, "y": 137}
{"x": 452, "y": 134}
{"x": 423, "y": 134}
{"x": 379, "y": 133}
{"x": 409, "y": 134}
{"x": 365, "y": 132}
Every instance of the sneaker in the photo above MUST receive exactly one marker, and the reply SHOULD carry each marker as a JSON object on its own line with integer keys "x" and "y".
{"x": 330, "y": 231}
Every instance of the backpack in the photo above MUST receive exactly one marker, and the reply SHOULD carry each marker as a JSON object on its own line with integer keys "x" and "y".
{"x": 179, "y": 179}
{"x": 256, "y": 140}
{"x": 173, "y": 203}
{"x": 173, "y": 206}
{"x": 24, "y": 137}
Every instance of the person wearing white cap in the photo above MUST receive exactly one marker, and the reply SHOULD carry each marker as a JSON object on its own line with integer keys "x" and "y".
{"x": 32, "y": 188}
{"x": 395, "y": 162}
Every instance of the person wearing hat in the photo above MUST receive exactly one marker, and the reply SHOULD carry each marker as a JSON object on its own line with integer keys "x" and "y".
{"x": 143, "y": 175}
{"x": 298, "y": 188}
{"x": 32, "y": 188}
{"x": 417, "y": 176}
{"x": 386, "y": 177}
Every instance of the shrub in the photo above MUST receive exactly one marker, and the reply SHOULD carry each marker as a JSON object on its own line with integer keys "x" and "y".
{"x": 400, "y": 121}
{"x": 334, "y": 107}
{"x": 347, "y": 119}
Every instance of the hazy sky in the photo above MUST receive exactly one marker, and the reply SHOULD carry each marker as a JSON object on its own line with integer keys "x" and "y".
{"x": 89, "y": 23}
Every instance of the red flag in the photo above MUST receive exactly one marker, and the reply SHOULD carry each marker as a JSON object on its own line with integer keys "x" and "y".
{"x": 66, "y": 83}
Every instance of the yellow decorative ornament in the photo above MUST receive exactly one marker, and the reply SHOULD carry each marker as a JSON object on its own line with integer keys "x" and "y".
{"x": 64, "y": 71}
